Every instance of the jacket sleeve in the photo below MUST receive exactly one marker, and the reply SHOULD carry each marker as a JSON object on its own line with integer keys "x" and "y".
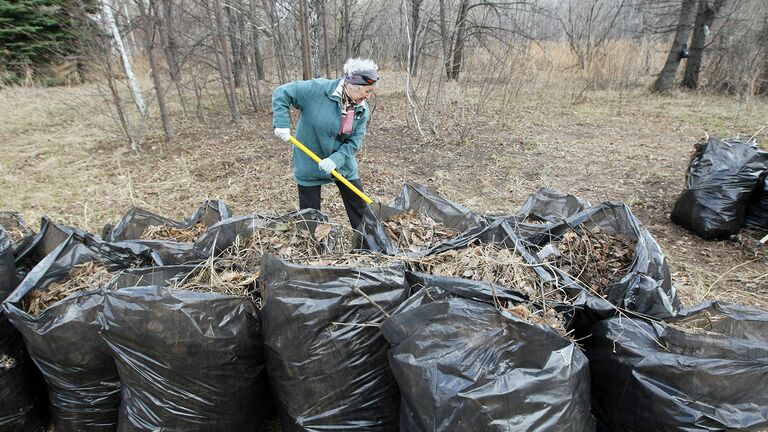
{"x": 292, "y": 94}
{"x": 350, "y": 146}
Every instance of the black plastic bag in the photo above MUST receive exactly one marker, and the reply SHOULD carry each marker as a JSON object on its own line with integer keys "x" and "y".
{"x": 22, "y": 394}
{"x": 463, "y": 365}
{"x": 543, "y": 207}
{"x": 188, "y": 361}
{"x": 707, "y": 371}
{"x": 37, "y": 247}
{"x": 137, "y": 220}
{"x": 326, "y": 358}
{"x": 757, "y": 211}
{"x": 647, "y": 287}
{"x": 63, "y": 340}
{"x": 166, "y": 252}
{"x": 720, "y": 179}
{"x": 421, "y": 200}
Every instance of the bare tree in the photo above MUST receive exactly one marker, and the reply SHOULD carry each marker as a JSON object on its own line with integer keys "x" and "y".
{"x": 587, "y": 25}
{"x": 222, "y": 59}
{"x": 326, "y": 44}
{"x": 148, "y": 18}
{"x": 705, "y": 16}
{"x": 133, "y": 83}
{"x": 666, "y": 79}
{"x": 306, "y": 58}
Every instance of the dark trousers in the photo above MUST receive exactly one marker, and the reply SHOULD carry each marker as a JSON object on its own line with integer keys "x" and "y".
{"x": 309, "y": 197}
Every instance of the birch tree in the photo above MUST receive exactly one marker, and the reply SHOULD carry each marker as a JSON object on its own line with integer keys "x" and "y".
{"x": 133, "y": 83}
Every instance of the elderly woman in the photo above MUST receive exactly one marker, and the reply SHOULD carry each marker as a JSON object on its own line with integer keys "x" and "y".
{"x": 334, "y": 114}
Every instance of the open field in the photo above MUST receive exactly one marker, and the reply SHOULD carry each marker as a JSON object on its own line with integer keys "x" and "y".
{"x": 59, "y": 157}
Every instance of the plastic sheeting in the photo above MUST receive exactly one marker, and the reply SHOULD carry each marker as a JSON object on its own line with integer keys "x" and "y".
{"x": 655, "y": 377}
{"x": 63, "y": 340}
{"x": 188, "y": 361}
{"x": 21, "y": 391}
{"x": 421, "y": 200}
{"x": 757, "y": 211}
{"x": 647, "y": 287}
{"x": 326, "y": 358}
{"x": 36, "y": 248}
{"x": 463, "y": 365}
{"x": 721, "y": 178}
{"x": 545, "y": 206}
{"x": 137, "y": 220}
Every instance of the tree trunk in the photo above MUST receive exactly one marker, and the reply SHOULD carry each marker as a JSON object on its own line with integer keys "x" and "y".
{"x": 112, "y": 82}
{"x": 445, "y": 39}
{"x": 415, "y": 22}
{"x": 346, "y": 23}
{"x": 326, "y": 45}
{"x": 458, "y": 51}
{"x": 274, "y": 20}
{"x": 705, "y": 16}
{"x": 306, "y": 58}
{"x": 235, "y": 33}
{"x": 149, "y": 43}
{"x": 222, "y": 59}
{"x": 138, "y": 99}
{"x": 666, "y": 79}
{"x": 258, "y": 62}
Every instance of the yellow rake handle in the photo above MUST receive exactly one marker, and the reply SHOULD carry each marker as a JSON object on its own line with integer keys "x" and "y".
{"x": 335, "y": 173}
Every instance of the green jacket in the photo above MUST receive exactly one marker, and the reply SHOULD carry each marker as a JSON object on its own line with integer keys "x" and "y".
{"x": 318, "y": 128}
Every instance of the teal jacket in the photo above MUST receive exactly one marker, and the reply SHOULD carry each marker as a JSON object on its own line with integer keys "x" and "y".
{"x": 318, "y": 128}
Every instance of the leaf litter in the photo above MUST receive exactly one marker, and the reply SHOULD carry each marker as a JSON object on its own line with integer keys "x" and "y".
{"x": 416, "y": 232}
{"x": 89, "y": 276}
{"x": 15, "y": 229}
{"x": 488, "y": 262}
{"x": 182, "y": 235}
{"x": 594, "y": 258}
{"x": 235, "y": 271}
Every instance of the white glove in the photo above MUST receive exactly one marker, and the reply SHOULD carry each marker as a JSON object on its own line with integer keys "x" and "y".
{"x": 283, "y": 133}
{"x": 327, "y": 165}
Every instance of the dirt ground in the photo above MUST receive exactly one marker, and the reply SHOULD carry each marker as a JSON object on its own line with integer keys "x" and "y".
{"x": 61, "y": 158}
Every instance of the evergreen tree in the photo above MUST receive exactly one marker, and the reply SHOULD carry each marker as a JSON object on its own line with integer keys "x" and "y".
{"x": 33, "y": 32}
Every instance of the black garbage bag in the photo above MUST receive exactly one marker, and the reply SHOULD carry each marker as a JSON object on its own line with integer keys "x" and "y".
{"x": 22, "y": 394}
{"x": 647, "y": 287}
{"x": 137, "y": 220}
{"x": 188, "y": 361}
{"x": 543, "y": 207}
{"x": 166, "y": 252}
{"x": 423, "y": 201}
{"x": 462, "y": 364}
{"x": 63, "y": 339}
{"x": 17, "y": 228}
{"x": 37, "y": 247}
{"x": 757, "y": 210}
{"x": 720, "y": 179}
{"x": 706, "y": 371}
{"x": 326, "y": 358}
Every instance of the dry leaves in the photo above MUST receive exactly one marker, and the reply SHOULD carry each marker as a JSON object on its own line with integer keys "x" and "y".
{"x": 182, "y": 235}
{"x": 235, "y": 271}
{"x": 595, "y": 258}
{"x": 416, "y": 232}
{"x": 82, "y": 277}
{"x": 490, "y": 263}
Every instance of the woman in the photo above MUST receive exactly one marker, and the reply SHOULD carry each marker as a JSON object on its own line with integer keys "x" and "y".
{"x": 334, "y": 114}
